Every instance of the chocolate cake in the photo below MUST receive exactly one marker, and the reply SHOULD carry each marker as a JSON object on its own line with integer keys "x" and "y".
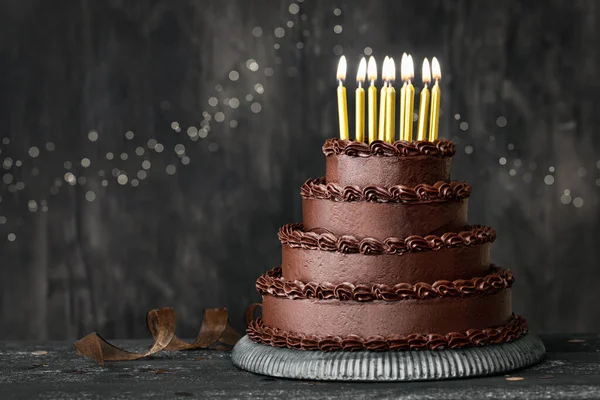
{"x": 385, "y": 259}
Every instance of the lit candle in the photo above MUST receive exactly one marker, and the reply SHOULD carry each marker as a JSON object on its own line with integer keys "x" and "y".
{"x": 360, "y": 101}
{"x": 410, "y": 100}
{"x": 390, "y": 103}
{"x": 341, "y": 97}
{"x": 436, "y": 94}
{"x": 372, "y": 74}
{"x": 404, "y": 78}
{"x": 381, "y": 133}
{"x": 424, "y": 102}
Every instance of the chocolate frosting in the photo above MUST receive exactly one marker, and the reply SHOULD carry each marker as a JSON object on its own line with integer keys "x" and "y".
{"x": 386, "y": 171}
{"x": 378, "y": 317}
{"x": 259, "y": 332}
{"x": 383, "y": 220}
{"x": 439, "y": 192}
{"x": 400, "y": 148}
{"x": 351, "y": 163}
{"x": 376, "y": 202}
{"x": 272, "y": 283}
{"x": 423, "y": 266}
{"x": 294, "y": 235}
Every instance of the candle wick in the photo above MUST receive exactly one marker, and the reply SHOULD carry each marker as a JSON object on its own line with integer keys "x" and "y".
{"x": 359, "y": 84}
{"x": 341, "y": 83}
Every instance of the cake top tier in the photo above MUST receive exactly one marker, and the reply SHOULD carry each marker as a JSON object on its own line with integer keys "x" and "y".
{"x": 384, "y": 164}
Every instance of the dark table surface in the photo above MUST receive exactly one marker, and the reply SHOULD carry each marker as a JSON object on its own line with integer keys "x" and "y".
{"x": 571, "y": 370}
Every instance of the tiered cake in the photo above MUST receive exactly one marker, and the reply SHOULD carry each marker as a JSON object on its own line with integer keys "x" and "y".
{"x": 385, "y": 259}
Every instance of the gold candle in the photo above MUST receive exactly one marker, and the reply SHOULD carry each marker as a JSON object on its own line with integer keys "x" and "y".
{"x": 372, "y": 74}
{"x": 382, "y": 113}
{"x": 404, "y": 78}
{"x": 410, "y": 100}
{"x": 390, "y": 103}
{"x": 341, "y": 98}
{"x": 424, "y": 102}
{"x": 360, "y": 101}
{"x": 436, "y": 94}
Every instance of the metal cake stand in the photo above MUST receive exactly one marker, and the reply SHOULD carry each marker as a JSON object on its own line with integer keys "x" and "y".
{"x": 421, "y": 365}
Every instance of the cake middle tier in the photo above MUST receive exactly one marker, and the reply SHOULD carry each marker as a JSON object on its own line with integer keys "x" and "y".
{"x": 381, "y": 212}
{"x": 325, "y": 257}
{"x": 382, "y": 220}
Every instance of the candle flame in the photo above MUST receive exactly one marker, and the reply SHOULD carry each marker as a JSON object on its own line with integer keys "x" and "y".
{"x": 426, "y": 72}
{"x": 436, "y": 71}
{"x": 391, "y": 70}
{"x": 410, "y": 68}
{"x": 403, "y": 62}
{"x": 341, "y": 70}
{"x": 384, "y": 67}
{"x": 372, "y": 69}
{"x": 362, "y": 70}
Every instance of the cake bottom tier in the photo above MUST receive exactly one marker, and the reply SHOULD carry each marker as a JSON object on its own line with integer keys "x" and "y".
{"x": 259, "y": 332}
{"x": 379, "y": 317}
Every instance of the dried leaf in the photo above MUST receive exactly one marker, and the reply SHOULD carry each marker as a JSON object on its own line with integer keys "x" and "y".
{"x": 250, "y": 311}
{"x": 161, "y": 324}
{"x": 515, "y": 378}
{"x": 39, "y": 353}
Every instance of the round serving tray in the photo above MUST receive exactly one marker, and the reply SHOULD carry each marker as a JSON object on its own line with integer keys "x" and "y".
{"x": 415, "y": 365}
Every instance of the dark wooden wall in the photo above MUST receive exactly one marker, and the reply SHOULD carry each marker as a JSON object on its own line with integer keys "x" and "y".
{"x": 520, "y": 98}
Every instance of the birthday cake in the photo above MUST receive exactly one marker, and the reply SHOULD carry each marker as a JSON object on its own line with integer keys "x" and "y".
{"x": 385, "y": 259}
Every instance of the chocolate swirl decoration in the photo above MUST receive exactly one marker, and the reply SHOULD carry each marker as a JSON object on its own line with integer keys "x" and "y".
{"x": 294, "y": 235}
{"x": 272, "y": 283}
{"x": 438, "y": 192}
{"x": 259, "y": 332}
{"x": 400, "y": 148}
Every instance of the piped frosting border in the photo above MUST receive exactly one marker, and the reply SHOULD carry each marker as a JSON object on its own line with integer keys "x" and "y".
{"x": 400, "y": 148}
{"x": 272, "y": 283}
{"x": 294, "y": 235}
{"x": 440, "y": 191}
{"x": 259, "y": 332}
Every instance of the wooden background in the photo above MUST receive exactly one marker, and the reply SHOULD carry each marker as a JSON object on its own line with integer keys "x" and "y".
{"x": 197, "y": 226}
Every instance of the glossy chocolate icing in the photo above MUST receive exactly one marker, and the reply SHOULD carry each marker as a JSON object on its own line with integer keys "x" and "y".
{"x": 272, "y": 283}
{"x": 385, "y": 318}
{"x": 438, "y": 192}
{"x": 335, "y": 267}
{"x": 385, "y": 259}
{"x": 381, "y": 164}
{"x": 259, "y": 332}
{"x": 295, "y": 235}
{"x": 382, "y": 220}
{"x": 386, "y": 171}
{"x": 399, "y": 149}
